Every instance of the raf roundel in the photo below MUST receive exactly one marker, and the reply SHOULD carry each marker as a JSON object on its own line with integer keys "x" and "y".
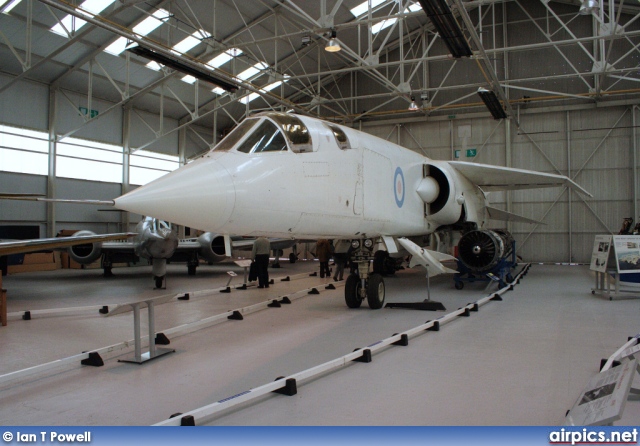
{"x": 398, "y": 187}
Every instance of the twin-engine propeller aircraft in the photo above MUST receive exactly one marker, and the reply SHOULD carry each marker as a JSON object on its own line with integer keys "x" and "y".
{"x": 157, "y": 242}
{"x": 153, "y": 240}
{"x": 297, "y": 177}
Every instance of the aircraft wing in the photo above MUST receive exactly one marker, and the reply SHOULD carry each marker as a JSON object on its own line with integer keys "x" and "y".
{"x": 41, "y": 244}
{"x": 495, "y": 178}
{"x": 499, "y": 214}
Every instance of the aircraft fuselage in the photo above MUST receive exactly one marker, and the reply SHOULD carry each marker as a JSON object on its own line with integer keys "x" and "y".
{"x": 337, "y": 183}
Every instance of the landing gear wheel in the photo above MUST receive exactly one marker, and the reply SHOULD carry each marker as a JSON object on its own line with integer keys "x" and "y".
{"x": 352, "y": 291}
{"x": 158, "y": 282}
{"x": 375, "y": 291}
{"x": 292, "y": 258}
{"x": 458, "y": 285}
{"x": 509, "y": 278}
{"x": 191, "y": 270}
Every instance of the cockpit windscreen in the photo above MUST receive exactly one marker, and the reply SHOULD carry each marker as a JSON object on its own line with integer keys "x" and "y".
{"x": 236, "y": 135}
{"x": 266, "y": 138}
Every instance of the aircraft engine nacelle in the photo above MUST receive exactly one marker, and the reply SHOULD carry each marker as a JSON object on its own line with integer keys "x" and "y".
{"x": 482, "y": 250}
{"x": 212, "y": 247}
{"x": 86, "y": 253}
{"x": 440, "y": 192}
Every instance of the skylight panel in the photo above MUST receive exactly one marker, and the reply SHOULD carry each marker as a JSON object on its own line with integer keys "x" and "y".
{"x": 382, "y": 25}
{"x": 250, "y": 97}
{"x": 217, "y": 61}
{"x": 155, "y": 66}
{"x": 387, "y": 23}
{"x": 219, "y": 91}
{"x": 142, "y": 29}
{"x": 10, "y": 6}
{"x": 364, "y": 7}
{"x": 117, "y": 47}
{"x": 152, "y": 22}
{"x": 225, "y": 57}
{"x": 89, "y": 8}
{"x": 186, "y": 44}
{"x": 252, "y": 71}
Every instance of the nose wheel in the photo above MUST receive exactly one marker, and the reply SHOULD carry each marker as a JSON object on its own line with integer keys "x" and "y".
{"x": 373, "y": 291}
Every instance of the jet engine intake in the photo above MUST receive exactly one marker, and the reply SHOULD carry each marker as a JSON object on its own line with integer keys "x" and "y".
{"x": 482, "y": 250}
{"x": 438, "y": 191}
{"x": 212, "y": 247}
{"x": 86, "y": 253}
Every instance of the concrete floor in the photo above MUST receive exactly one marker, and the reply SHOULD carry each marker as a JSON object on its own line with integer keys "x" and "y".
{"x": 522, "y": 361}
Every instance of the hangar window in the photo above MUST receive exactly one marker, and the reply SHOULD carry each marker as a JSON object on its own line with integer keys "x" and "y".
{"x": 266, "y": 138}
{"x": 341, "y": 136}
{"x": 236, "y": 135}
{"x": 23, "y": 151}
{"x": 147, "y": 166}
{"x": 89, "y": 160}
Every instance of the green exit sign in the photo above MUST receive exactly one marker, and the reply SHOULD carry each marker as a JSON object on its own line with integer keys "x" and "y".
{"x": 85, "y": 111}
{"x": 471, "y": 153}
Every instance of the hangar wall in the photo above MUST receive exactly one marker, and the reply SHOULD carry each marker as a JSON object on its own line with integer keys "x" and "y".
{"x": 595, "y": 146}
{"x": 30, "y": 107}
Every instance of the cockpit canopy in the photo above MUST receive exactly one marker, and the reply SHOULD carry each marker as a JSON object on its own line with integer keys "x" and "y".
{"x": 269, "y": 132}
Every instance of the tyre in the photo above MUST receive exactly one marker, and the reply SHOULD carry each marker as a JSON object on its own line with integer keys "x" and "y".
{"x": 292, "y": 258}
{"x": 158, "y": 282}
{"x": 191, "y": 270}
{"x": 352, "y": 291}
{"x": 458, "y": 285}
{"x": 375, "y": 291}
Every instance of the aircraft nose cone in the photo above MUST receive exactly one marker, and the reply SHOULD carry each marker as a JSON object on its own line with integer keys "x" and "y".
{"x": 200, "y": 195}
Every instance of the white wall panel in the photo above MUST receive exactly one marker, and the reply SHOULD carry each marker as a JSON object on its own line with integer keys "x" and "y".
{"x": 25, "y": 104}
{"x": 14, "y": 212}
{"x": 144, "y": 129}
{"x": 107, "y": 128}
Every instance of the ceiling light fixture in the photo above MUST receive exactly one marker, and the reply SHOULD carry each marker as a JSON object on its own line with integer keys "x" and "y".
{"x": 413, "y": 106}
{"x": 445, "y": 23}
{"x": 178, "y": 65}
{"x": 333, "y": 45}
{"x": 493, "y": 104}
{"x": 588, "y": 7}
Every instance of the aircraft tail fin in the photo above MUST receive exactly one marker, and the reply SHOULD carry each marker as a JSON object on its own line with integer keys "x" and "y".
{"x": 431, "y": 260}
{"x": 499, "y": 214}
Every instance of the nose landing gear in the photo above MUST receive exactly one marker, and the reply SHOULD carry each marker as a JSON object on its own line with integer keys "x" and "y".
{"x": 364, "y": 285}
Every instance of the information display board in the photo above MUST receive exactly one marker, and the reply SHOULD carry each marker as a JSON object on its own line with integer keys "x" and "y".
{"x": 603, "y": 401}
{"x": 600, "y": 254}
{"x": 619, "y": 252}
{"x": 627, "y": 251}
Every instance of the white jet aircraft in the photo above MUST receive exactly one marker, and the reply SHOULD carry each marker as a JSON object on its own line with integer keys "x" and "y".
{"x": 285, "y": 175}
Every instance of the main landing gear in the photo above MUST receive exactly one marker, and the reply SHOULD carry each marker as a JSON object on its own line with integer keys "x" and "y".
{"x": 364, "y": 285}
